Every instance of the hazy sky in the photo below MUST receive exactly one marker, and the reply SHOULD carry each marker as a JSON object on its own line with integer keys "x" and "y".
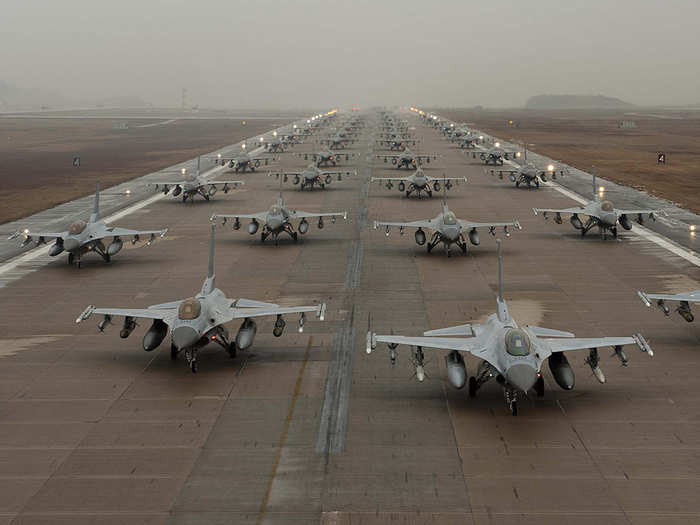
{"x": 323, "y": 53}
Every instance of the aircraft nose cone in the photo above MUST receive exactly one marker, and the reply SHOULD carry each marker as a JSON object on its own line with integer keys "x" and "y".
{"x": 71, "y": 244}
{"x": 521, "y": 376}
{"x": 274, "y": 223}
{"x": 185, "y": 336}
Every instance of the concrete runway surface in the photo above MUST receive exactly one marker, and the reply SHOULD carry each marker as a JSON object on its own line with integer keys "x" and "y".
{"x": 307, "y": 428}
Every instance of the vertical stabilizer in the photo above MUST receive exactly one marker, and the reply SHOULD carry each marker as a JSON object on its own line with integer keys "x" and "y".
{"x": 199, "y": 158}
{"x": 502, "y": 311}
{"x": 211, "y": 252}
{"x": 595, "y": 188}
{"x": 96, "y": 206}
{"x": 500, "y": 271}
{"x": 209, "y": 282}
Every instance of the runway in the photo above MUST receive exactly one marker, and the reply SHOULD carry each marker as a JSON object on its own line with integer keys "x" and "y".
{"x": 309, "y": 429}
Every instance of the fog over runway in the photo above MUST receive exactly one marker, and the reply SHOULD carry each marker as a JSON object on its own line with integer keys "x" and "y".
{"x": 320, "y": 53}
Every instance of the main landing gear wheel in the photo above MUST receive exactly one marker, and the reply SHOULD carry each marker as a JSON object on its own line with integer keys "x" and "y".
{"x": 173, "y": 352}
{"x": 472, "y": 386}
{"x": 107, "y": 258}
{"x": 429, "y": 247}
{"x": 514, "y": 408}
{"x": 232, "y": 351}
{"x": 517, "y": 183}
{"x": 295, "y": 236}
{"x": 539, "y": 386}
{"x": 193, "y": 366}
{"x": 71, "y": 259}
{"x": 537, "y": 183}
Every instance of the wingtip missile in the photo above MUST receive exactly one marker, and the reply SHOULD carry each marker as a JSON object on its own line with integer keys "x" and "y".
{"x": 85, "y": 314}
{"x": 644, "y": 298}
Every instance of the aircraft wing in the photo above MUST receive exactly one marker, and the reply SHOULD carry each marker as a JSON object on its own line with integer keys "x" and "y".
{"x": 474, "y": 345}
{"x": 440, "y": 179}
{"x": 388, "y": 156}
{"x": 565, "y": 344}
{"x": 238, "y": 313}
{"x": 29, "y": 235}
{"x": 304, "y": 214}
{"x": 124, "y": 232}
{"x": 545, "y": 211}
{"x": 691, "y": 297}
{"x": 257, "y": 216}
{"x": 166, "y": 183}
{"x": 426, "y": 157}
{"x": 224, "y": 182}
{"x": 380, "y": 179}
{"x": 165, "y": 314}
{"x": 638, "y": 212}
{"x": 425, "y": 223}
{"x": 336, "y": 172}
{"x": 467, "y": 225}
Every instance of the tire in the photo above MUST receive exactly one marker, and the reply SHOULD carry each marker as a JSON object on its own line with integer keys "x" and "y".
{"x": 514, "y": 408}
{"x": 232, "y": 350}
{"x": 472, "y": 386}
{"x": 71, "y": 259}
{"x": 295, "y": 236}
{"x": 173, "y": 352}
{"x": 429, "y": 247}
{"x": 193, "y": 366}
{"x": 539, "y": 386}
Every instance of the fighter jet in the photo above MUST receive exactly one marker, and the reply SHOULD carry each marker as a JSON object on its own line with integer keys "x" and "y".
{"x": 496, "y": 155}
{"x": 419, "y": 182}
{"x": 191, "y": 186}
{"x": 87, "y": 236}
{"x": 468, "y": 141}
{"x": 512, "y": 354}
{"x": 448, "y": 230}
{"x": 199, "y": 320}
{"x": 326, "y": 156}
{"x": 529, "y": 174}
{"x": 684, "y": 299}
{"x": 337, "y": 141}
{"x": 278, "y": 144}
{"x": 278, "y": 219}
{"x": 601, "y": 213}
{"x": 396, "y": 144}
{"x": 407, "y": 159}
{"x": 244, "y": 161}
{"x": 311, "y": 176}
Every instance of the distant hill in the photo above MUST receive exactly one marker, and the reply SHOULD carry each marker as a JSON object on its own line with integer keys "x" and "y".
{"x": 575, "y": 102}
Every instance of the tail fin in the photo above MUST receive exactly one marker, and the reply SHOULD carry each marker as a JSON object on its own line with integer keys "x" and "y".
{"x": 210, "y": 281}
{"x": 500, "y": 271}
{"x": 96, "y": 206}
{"x": 211, "y": 252}
{"x": 595, "y": 187}
{"x": 198, "y": 160}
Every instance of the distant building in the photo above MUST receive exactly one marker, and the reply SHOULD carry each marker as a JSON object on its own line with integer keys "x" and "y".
{"x": 627, "y": 124}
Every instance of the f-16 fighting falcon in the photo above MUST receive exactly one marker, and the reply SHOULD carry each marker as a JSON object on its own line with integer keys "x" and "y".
{"x": 512, "y": 354}
{"x": 529, "y": 174}
{"x": 200, "y": 320}
{"x": 325, "y": 157}
{"x": 195, "y": 185}
{"x": 601, "y": 213}
{"x": 244, "y": 161}
{"x": 468, "y": 141}
{"x": 311, "y": 176}
{"x": 84, "y": 237}
{"x": 407, "y": 159}
{"x": 419, "y": 182}
{"x": 684, "y": 299}
{"x": 278, "y": 219}
{"x": 278, "y": 144}
{"x": 396, "y": 143}
{"x": 337, "y": 141}
{"x": 496, "y": 155}
{"x": 448, "y": 230}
